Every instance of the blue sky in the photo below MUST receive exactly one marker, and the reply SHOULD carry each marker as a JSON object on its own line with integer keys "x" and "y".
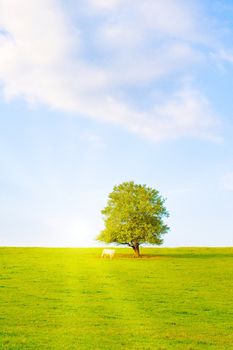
{"x": 96, "y": 92}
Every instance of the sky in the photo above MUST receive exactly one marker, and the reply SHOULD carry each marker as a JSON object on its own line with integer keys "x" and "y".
{"x": 97, "y": 92}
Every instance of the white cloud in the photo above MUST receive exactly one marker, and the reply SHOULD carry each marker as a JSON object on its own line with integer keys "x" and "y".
{"x": 187, "y": 113}
{"x": 94, "y": 141}
{"x": 108, "y": 4}
{"x": 44, "y": 58}
{"x": 173, "y": 18}
{"x": 150, "y": 20}
{"x": 223, "y": 56}
{"x": 147, "y": 67}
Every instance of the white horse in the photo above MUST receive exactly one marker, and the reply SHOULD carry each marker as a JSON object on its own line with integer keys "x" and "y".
{"x": 108, "y": 252}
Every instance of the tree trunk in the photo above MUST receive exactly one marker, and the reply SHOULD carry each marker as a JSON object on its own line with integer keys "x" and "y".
{"x": 136, "y": 251}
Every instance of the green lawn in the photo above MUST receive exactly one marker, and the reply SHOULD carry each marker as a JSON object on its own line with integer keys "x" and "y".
{"x": 72, "y": 299}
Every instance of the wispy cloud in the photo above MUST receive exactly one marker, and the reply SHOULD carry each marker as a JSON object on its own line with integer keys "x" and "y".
{"x": 48, "y": 56}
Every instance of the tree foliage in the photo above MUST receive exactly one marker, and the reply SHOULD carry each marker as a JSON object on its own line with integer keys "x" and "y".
{"x": 134, "y": 215}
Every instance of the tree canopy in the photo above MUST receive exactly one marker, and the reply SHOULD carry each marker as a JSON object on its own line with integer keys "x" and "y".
{"x": 133, "y": 216}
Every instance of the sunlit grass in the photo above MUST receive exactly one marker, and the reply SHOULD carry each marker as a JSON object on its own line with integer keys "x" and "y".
{"x": 73, "y": 299}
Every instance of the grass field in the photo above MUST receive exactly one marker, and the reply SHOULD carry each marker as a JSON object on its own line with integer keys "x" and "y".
{"x": 72, "y": 299}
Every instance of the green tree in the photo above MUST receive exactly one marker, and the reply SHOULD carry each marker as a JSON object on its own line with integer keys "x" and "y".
{"x": 134, "y": 215}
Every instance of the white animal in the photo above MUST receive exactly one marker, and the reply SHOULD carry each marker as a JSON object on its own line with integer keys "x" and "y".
{"x": 108, "y": 252}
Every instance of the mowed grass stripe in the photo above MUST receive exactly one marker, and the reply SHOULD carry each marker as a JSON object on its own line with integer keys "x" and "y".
{"x": 73, "y": 299}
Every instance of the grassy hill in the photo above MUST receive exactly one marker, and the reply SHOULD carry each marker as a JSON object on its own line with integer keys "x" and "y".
{"x": 73, "y": 299}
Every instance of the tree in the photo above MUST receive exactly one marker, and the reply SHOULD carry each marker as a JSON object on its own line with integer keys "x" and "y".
{"x": 134, "y": 215}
